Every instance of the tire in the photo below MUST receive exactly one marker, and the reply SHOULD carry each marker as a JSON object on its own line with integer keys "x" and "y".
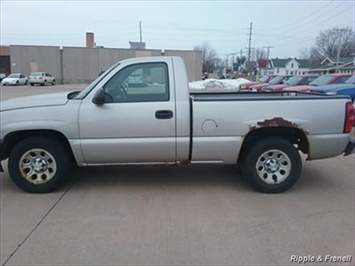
{"x": 32, "y": 84}
{"x": 17, "y": 83}
{"x": 39, "y": 164}
{"x": 272, "y": 165}
{"x": 53, "y": 82}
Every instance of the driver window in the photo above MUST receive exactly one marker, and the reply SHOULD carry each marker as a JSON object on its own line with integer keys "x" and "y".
{"x": 139, "y": 83}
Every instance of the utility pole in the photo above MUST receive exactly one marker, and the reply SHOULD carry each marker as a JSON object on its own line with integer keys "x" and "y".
{"x": 140, "y": 31}
{"x": 268, "y": 55}
{"x": 268, "y": 51}
{"x": 340, "y": 39}
{"x": 250, "y": 30}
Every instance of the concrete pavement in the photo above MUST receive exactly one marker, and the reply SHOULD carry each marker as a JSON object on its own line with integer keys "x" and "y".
{"x": 179, "y": 215}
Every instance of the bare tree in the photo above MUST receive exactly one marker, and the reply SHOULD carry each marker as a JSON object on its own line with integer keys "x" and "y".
{"x": 329, "y": 41}
{"x": 259, "y": 53}
{"x": 209, "y": 57}
{"x": 305, "y": 53}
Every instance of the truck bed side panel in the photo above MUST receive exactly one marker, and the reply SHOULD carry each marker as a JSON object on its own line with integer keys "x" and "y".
{"x": 219, "y": 126}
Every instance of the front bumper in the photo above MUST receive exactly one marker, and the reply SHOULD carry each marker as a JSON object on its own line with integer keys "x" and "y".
{"x": 350, "y": 148}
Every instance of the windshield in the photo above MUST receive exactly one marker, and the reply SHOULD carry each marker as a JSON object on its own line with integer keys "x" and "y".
{"x": 276, "y": 80}
{"x": 36, "y": 74}
{"x": 15, "y": 76}
{"x": 322, "y": 80}
{"x": 264, "y": 79}
{"x": 86, "y": 91}
{"x": 293, "y": 81}
{"x": 350, "y": 80}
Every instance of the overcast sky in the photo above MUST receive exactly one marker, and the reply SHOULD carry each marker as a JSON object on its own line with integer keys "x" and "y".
{"x": 287, "y": 26}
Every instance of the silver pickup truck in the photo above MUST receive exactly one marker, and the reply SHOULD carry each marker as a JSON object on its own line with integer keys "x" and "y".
{"x": 140, "y": 111}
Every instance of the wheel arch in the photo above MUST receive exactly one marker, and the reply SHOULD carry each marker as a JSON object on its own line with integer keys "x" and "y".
{"x": 13, "y": 138}
{"x": 293, "y": 135}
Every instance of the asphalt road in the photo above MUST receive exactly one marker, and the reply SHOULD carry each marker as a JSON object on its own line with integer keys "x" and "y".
{"x": 178, "y": 215}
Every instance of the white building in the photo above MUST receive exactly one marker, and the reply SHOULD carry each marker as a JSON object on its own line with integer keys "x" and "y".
{"x": 289, "y": 66}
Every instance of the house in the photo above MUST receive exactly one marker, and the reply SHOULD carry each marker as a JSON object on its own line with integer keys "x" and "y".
{"x": 288, "y": 66}
{"x": 331, "y": 65}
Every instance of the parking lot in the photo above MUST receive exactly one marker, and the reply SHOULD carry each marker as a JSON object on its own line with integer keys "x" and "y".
{"x": 194, "y": 214}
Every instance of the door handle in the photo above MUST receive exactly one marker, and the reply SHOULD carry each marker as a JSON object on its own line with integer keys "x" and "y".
{"x": 164, "y": 114}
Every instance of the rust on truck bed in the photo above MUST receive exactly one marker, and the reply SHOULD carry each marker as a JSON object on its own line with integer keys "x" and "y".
{"x": 277, "y": 122}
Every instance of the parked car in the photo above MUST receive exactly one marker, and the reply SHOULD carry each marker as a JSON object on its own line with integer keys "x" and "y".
{"x": 41, "y": 78}
{"x": 264, "y": 79}
{"x": 15, "y": 79}
{"x": 136, "y": 80}
{"x": 294, "y": 81}
{"x": 321, "y": 81}
{"x": 107, "y": 124}
{"x": 276, "y": 80}
{"x": 348, "y": 88}
{"x": 204, "y": 75}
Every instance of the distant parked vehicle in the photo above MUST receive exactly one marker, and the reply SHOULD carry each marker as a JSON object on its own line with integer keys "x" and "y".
{"x": 348, "y": 88}
{"x": 136, "y": 80}
{"x": 204, "y": 75}
{"x": 41, "y": 78}
{"x": 264, "y": 79}
{"x": 15, "y": 79}
{"x": 321, "y": 81}
{"x": 276, "y": 80}
{"x": 294, "y": 81}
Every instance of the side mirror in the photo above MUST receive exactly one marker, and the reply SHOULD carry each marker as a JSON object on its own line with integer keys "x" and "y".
{"x": 99, "y": 97}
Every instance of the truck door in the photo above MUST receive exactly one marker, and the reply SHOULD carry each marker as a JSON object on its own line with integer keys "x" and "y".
{"x": 137, "y": 121}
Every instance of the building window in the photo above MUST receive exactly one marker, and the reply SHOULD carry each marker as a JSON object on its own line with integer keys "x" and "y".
{"x": 286, "y": 72}
{"x": 291, "y": 65}
{"x": 278, "y": 70}
{"x": 291, "y": 72}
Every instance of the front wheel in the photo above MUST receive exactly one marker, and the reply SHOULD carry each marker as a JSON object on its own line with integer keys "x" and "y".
{"x": 39, "y": 164}
{"x": 272, "y": 165}
{"x": 53, "y": 82}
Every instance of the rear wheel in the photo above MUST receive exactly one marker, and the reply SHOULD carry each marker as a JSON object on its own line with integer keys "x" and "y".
{"x": 53, "y": 82}
{"x": 39, "y": 164}
{"x": 272, "y": 165}
{"x": 32, "y": 84}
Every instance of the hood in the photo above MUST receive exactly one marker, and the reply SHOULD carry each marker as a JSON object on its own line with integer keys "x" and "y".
{"x": 333, "y": 87}
{"x": 259, "y": 85}
{"x": 304, "y": 88}
{"x": 276, "y": 87}
{"x": 248, "y": 84}
{"x": 49, "y": 99}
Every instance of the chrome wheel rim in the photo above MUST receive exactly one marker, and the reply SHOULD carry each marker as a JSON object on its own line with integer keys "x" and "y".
{"x": 273, "y": 167}
{"x": 38, "y": 166}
